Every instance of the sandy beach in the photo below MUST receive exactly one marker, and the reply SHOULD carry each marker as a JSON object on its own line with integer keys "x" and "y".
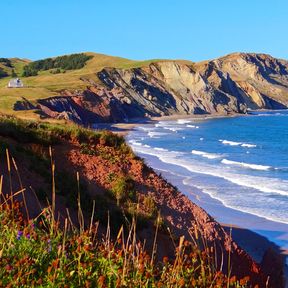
{"x": 125, "y": 128}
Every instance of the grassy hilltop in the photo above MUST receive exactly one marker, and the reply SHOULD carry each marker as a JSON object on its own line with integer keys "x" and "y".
{"x": 50, "y": 82}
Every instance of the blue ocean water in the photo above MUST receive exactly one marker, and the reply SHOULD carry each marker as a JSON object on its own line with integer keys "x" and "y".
{"x": 240, "y": 161}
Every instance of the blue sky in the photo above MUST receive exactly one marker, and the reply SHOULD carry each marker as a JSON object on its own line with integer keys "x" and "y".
{"x": 138, "y": 29}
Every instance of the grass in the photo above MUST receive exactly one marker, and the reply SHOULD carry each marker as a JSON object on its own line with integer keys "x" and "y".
{"x": 35, "y": 255}
{"x": 46, "y": 133}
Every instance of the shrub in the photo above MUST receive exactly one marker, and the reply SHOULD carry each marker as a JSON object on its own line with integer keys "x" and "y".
{"x": 6, "y": 62}
{"x": 123, "y": 189}
{"x": 111, "y": 139}
{"x": 150, "y": 205}
{"x": 13, "y": 74}
{"x": 3, "y": 73}
{"x": 55, "y": 71}
{"x": 29, "y": 71}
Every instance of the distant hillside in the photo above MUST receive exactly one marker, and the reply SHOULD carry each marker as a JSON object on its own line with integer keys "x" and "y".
{"x": 110, "y": 89}
{"x": 12, "y": 66}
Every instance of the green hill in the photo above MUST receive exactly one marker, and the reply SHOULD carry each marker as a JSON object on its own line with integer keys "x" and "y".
{"x": 50, "y": 82}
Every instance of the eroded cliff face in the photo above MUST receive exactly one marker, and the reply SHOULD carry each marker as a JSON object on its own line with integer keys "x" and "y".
{"x": 231, "y": 84}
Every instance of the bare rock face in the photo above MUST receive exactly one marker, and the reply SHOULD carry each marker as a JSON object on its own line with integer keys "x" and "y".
{"x": 231, "y": 84}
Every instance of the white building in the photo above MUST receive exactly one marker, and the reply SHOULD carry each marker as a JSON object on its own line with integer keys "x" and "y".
{"x": 15, "y": 83}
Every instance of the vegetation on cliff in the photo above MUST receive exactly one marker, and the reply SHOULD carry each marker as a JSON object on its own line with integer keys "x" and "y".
{"x": 38, "y": 253}
{"x": 83, "y": 247}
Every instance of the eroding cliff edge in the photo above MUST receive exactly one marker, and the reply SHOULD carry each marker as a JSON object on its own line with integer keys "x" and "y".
{"x": 231, "y": 84}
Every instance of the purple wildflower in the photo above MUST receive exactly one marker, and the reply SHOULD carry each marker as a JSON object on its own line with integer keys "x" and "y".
{"x": 49, "y": 245}
{"x": 19, "y": 235}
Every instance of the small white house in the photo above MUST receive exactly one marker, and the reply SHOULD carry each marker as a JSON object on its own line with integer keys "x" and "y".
{"x": 15, "y": 83}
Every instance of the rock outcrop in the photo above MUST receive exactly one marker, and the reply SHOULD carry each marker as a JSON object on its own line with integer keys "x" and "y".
{"x": 231, "y": 84}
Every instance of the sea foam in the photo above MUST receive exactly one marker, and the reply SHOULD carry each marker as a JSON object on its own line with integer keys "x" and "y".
{"x": 263, "y": 184}
{"x": 234, "y": 143}
{"x": 206, "y": 154}
{"x": 183, "y": 121}
{"x": 246, "y": 165}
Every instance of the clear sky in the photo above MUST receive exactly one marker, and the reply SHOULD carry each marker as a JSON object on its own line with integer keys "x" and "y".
{"x": 143, "y": 29}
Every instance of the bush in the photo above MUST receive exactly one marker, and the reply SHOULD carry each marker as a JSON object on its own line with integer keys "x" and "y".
{"x": 3, "y": 73}
{"x": 110, "y": 139}
{"x": 13, "y": 74}
{"x": 29, "y": 71}
{"x": 55, "y": 71}
{"x": 6, "y": 62}
{"x": 123, "y": 189}
{"x": 150, "y": 206}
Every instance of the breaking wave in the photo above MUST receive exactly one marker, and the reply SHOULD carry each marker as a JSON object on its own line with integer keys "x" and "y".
{"x": 206, "y": 155}
{"x": 233, "y": 143}
{"x": 247, "y": 165}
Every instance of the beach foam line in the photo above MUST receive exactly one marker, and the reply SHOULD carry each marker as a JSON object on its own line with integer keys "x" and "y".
{"x": 183, "y": 121}
{"x": 192, "y": 126}
{"x": 160, "y": 149}
{"x": 233, "y": 143}
{"x": 134, "y": 142}
{"x": 145, "y": 128}
{"x": 248, "y": 145}
{"x": 246, "y": 165}
{"x": 206, "y": 154}
{"x": 263, "y": 184}
{"x": 156, "y": 134}
{"x": 174, "y": 129}
{"x": 226, "y": 201}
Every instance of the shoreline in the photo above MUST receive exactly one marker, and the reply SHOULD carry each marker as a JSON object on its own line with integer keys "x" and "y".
{"x": 224, "y": 215}
{"x": 252, "y": 241}
{"x": 124, "y": 128}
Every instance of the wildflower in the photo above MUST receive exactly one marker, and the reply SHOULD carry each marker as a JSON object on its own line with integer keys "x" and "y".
{"x": 49, "y": 245}
{"x": 19, "y": 235}
{"x": 101, "y": 281}
{"x": 8, "y": 267}
{"x": 182, "y": 282}
{"x": 28, "y": 236}
{"x": 165, "y": 259}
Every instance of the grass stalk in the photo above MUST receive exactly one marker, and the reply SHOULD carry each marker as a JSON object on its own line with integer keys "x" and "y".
{"x": 21, "y": 187}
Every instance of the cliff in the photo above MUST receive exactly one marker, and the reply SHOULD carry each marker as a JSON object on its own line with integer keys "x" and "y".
{"x": 231, "y": 84}
{"x": 102, "y": 158}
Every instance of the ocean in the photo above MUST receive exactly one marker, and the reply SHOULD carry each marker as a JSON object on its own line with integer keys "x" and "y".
{"x": 236, "y": 168}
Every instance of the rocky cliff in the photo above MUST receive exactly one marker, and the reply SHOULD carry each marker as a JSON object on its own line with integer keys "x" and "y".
{"x": 231, "y": 84}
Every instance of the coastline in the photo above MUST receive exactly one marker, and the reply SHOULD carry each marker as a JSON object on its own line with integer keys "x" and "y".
{"x": 226, "y": 216}
{"x": 255, "y": 243}
{"x": 124, "y": 128}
